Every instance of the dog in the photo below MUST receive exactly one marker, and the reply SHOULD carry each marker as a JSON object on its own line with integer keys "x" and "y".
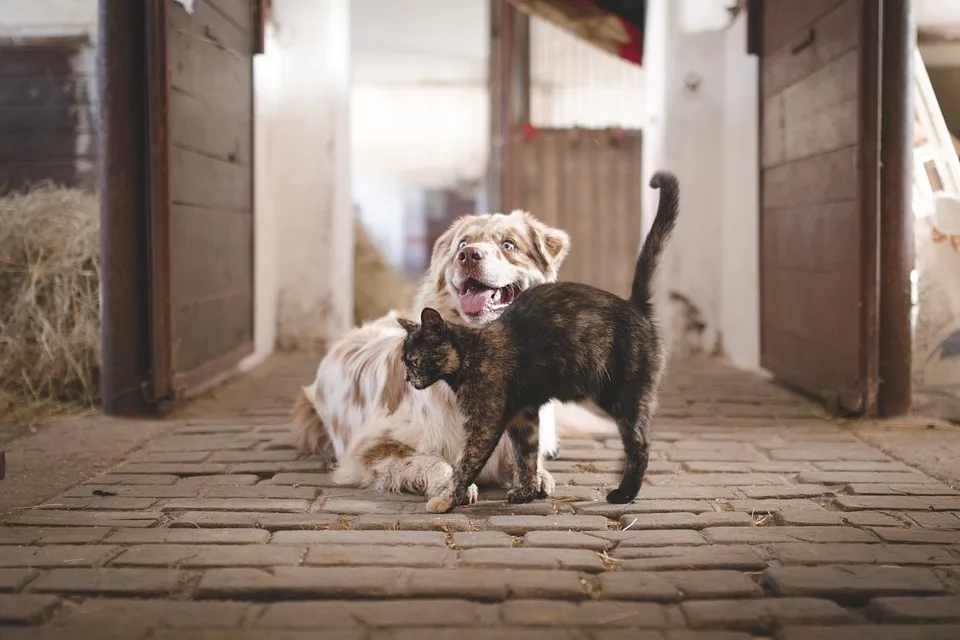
{"x": 359, "y": 410}
{"x": 561, "y": 340}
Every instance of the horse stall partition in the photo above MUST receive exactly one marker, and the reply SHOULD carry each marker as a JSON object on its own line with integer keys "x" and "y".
{"x": 586, "y": 182}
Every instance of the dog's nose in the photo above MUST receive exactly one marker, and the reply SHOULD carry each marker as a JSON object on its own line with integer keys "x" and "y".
{"x": 469, "y": 254}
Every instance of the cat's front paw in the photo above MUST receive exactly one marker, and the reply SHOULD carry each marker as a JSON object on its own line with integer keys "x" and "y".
{"x": 520, "y": 496}
{"x": 441, "y": 503}
{"x": 545, "y": 483}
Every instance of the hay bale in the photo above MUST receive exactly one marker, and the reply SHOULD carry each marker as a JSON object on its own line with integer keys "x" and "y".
{"x": 377, "y": 286}
{"x": 50, "y": 316}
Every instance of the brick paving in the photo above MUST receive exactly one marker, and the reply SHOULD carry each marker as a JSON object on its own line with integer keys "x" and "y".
{"x": 758, "y": 519}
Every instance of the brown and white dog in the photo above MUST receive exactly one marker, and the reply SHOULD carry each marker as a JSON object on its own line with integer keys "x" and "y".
{"x": 387, "y": 435}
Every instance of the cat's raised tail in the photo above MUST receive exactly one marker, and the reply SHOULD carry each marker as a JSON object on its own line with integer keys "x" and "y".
{"x": 641, "y": 293}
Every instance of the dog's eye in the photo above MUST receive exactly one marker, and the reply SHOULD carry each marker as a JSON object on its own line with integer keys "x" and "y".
{"x": 462, "y": 244}
{"x": 508, "y": 246}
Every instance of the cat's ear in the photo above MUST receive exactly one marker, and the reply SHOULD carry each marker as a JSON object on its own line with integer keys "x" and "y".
{"x": 431, "y": 320}
{"x": 409, "y": 325}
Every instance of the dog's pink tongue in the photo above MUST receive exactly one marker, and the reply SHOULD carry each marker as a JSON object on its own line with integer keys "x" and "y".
{"x": 475, "y": 301}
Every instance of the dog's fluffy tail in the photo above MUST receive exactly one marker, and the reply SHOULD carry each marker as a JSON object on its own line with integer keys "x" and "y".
{"x": 641, "y": 292}
{"x": 577, "y": 421}
{"x": 309, "y": 433}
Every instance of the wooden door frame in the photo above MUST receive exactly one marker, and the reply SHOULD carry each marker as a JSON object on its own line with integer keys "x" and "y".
{"x": 895, "y": 337}
{"x": 888, "y": 37}
{"x": 125, "y": 365}
{"x": 161, "y": 389}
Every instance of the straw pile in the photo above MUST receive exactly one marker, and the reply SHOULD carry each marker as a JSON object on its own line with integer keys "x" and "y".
{"x": 377, "y": 285}
{"x": 49, "y": 315}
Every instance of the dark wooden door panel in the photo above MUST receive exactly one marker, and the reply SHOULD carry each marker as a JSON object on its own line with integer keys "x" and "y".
{"x": 203, "y": 215}
{"x": 585, "y": 182}
{"x": 817, "y": 247}
{"x": 45, "y": 131}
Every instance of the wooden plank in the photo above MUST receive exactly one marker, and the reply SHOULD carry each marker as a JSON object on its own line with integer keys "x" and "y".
{"x": 634, "y": 185}
{"x": 205, "y": 70}
{"x": 201, "y": 181}
{"x": 821, "y": 112}
{"x": 773, "y": 126}
{"x": 830, "y": 245}
{"x": 833, "y": 35}
{"x": 240, "y": 12}
{"x": 550, "y": 163}
{"x": 17, "y": 175}
{"x": 205, "y": 376}
{"x": 224, "y": 135}
{"x": 207, "y": 24}
{"x": 581, "y": 149}
{"x": 569, "y": 219}
{"x": 810, "y": 366}
{"x": 32, "y": 147}
{"x": 783, "y": 19}
{"x": 210, "y": 328}
{"x": 42, "y": 92}
{"x": 27, "y": 61}
{"x": 60, "y": 119}
{"x": 214, "y": 249}
{"x": 820, "y": 179}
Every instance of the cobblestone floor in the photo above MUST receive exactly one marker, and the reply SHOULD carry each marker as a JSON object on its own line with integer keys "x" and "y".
{"x": 758, "y": 519}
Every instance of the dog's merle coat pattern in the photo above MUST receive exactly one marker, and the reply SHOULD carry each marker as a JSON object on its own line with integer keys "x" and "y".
{"x": 565, "y": 341}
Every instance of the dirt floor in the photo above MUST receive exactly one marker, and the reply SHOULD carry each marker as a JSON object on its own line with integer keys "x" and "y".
{"x": 759, "y": 518}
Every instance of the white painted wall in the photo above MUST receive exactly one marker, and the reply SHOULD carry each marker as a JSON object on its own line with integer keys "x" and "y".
{"x": 48, "y": 17}
{"x": 740, "y": 248}
{"x": 304, "y": 245}
{"x": 266, "y": 221}
{"x": 419, "y": 109}
{"x": 701, "y": 122}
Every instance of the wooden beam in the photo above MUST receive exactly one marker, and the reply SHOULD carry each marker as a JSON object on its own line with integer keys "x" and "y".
{"x": 896, "y": 214}
{"x": 497, "y": 85}
{"x": 125, "y": 284}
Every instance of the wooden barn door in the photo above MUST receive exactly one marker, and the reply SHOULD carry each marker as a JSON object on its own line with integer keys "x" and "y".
{"x": 201, "y": 190}
{"x": 586, "y": 182}
{"x": 819, "y": 196}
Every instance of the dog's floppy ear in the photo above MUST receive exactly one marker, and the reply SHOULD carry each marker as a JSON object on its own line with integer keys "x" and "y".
{"x": 409, "y": 325}
{"x": 431, "y": 320}
{"x": 553, "y": 244}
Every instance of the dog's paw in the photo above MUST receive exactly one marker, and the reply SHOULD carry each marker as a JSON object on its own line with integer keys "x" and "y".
{"x": 552, "y": 454}
{"x": 545, "y": 483}
{"x": 520, "y": 496}
{"x": 473, "y": 494}
{"x": 441, "y": 503}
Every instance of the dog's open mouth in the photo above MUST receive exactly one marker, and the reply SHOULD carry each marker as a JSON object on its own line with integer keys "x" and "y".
{"x": 477, "y": 297}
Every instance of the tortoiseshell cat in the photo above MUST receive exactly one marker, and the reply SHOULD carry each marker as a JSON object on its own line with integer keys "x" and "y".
{"x": 564, "y": 341}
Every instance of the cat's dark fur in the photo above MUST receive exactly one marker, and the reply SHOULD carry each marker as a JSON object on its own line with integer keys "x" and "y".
{"x": 565, "y": 341}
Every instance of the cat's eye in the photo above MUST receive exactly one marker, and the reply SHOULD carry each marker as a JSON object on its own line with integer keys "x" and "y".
{"x": 508, "y": 246}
